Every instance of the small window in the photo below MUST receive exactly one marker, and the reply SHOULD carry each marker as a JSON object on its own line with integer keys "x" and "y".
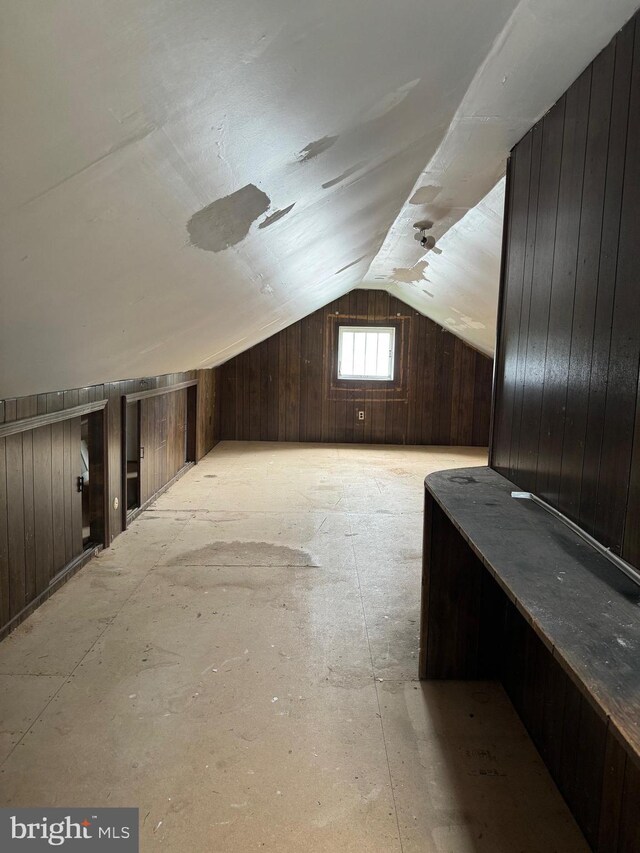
{"x": 366, "y": 352}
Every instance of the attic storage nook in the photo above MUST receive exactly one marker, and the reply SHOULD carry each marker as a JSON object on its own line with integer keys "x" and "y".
{"x": 295, "y": 297}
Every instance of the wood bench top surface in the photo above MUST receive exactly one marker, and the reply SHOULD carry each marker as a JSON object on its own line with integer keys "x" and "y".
{"x": 583, "y": 607}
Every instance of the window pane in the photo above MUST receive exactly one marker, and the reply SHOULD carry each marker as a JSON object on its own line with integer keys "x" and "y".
{"x": 346, "y": 368}
{"x": 365, "y": 352}
{"x": 358, "y": 354}
{"x": 384, "y": 346}
{"x": 371, "y": 355}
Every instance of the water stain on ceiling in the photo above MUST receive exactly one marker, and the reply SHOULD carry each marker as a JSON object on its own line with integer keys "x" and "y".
{"x": 226, "y": 221}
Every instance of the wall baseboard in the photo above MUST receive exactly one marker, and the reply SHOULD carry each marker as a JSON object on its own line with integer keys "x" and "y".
{"x": 56, "y": 582}
{"x": 131, "y": 516}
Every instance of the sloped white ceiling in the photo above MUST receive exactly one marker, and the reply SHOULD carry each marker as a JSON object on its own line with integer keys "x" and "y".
{"x": 182, "y": 178}
{"x": 542, "y": 49}
{"x": 457, "y": 283}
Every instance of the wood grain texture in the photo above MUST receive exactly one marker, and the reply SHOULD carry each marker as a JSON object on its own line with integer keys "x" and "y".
{"x": 40, "y": 506}
{"x": 567, "y": 402}
{"x": 286, "y": 388}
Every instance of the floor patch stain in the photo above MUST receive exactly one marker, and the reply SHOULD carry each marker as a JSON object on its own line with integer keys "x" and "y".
{"x": 277, "y": 215}
{"x": 314, "y": 149}
{"x": 227, "y": 221}
{"x": 346, "y": 174}
{"x": 240, "y": 553}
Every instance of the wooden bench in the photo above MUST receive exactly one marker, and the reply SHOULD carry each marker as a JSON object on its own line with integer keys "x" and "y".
{"x": 511, "y": 593}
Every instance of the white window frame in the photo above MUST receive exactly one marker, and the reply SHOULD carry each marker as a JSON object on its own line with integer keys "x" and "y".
{"x": 391, "y": 357}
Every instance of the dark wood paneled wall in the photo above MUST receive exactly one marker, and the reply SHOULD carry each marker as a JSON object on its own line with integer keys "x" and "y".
{"x": 567, "y": 416}
{"x": 284, "y": 389}
{"x": 207, "y": 412}
{"x": 163, "y": 433}
{"x": 40, "y": 511}
{"x": 40, "y": 507}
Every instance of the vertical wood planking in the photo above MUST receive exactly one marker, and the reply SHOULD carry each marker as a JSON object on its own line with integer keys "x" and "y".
{"x": 15, "y": 523}
{"x": 292, "y": 422}
{"x": 283, "y": 395}
{"x": 43, "y": 518}
{"x": 525, "y": 301}
{"x": 348, "y": 431}
{"x": 444, "y": 386}
{"x": 68, "y": 488}
{"x": 563, "y": 281}
{"x": 586, "y": 290}
{"x": 519, "y": 185}
{"x": 57, "y": 496}
{"x": 552, "y": 136}
{"x": 328, "y": 400}
{"x": 246, "y": 393}
{"x": 629, "y": 834}
{"x": 574, "y": 360}
{"x": 27, "y": 407}
{"x": 615, "y": 762}
{"x": 281, "y": 389}
{"x": 264, "y": 382}
{"x": 5, "y": 603}
{"x": 315, "y": 396}
{"x": 303, "y": 409}
{"x": 144, "y": 439}
{"x": 430, "y": 400}
{"x": 274, "y": 386}
{"x": 620, "y": 413}
{"x": 40, "y": 507}
{"x": 76, "y": 496}
{"x": 113, "y": 393}
{"x": 380, "y": 306}
{"x": 29, "y": 515}
{"x": 227, "y": 392}
{"x": 482, "y": 401}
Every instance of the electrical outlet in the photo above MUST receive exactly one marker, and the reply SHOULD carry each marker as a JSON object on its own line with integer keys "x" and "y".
{"x": 360, "y": 416}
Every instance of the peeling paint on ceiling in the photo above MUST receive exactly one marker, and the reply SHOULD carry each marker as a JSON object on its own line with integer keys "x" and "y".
{"x": 343, "y": 176}
{"x": 410, "y": 275}
{"x": 227, "y": 221}
{"x": 125, "y": 120}
{"x": 540, "y": 52}
{"x": 463, "y": 275}
{"x": 314, "y": 149}
{"x": 276, "y": 216}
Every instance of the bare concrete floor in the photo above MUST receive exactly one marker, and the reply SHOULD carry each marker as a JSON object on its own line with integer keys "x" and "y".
{"x": 241, "y": 666}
